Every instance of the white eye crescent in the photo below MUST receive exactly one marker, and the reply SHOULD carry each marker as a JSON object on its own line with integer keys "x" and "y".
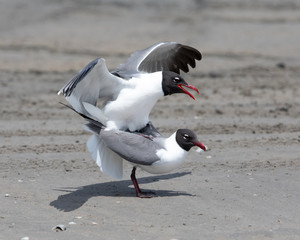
{"x": 186, "y": 136}
{"x": 176, "y": 79}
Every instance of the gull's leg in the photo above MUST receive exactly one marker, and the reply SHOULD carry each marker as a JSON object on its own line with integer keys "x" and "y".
{"x": 138, "y": 191}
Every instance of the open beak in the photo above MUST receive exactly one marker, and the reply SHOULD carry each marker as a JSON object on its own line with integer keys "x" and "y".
{"x": 200, "y": 145}
{"x": 185, "y": 91}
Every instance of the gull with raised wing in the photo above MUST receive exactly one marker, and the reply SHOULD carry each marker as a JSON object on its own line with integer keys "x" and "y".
{"x": 132, "y": 89}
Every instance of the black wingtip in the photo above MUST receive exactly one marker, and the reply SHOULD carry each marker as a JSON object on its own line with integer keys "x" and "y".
{"x": 70, "y": 107}
{"x": 186, "y": 57}
{"x": 193, "y": 52}
{"x": 91, "y": 120}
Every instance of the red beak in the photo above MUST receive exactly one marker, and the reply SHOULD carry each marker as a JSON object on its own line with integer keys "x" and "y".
{"x": 200, "y": 145}
{"x": 185, "y": 91}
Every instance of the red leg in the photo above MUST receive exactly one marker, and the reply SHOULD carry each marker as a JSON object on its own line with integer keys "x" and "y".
{"x": 138, "y": 191}
{"x": 134, "y": 181}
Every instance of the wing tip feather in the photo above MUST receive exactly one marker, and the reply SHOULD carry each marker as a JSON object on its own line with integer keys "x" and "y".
{"x": 59, "y": 92}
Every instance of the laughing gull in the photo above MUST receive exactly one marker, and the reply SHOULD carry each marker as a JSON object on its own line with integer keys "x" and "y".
{"x": 131, "y": 90}
{"x": 156, "y": 155}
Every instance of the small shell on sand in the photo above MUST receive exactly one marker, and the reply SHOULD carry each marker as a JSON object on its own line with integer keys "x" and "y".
{"x": 59, "y": 227}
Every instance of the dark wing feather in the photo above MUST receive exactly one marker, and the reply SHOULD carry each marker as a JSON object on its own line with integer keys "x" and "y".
{"x": 168, "y": 56}
{"x": 93, "y": 125}
{"x": 149, "y": 131}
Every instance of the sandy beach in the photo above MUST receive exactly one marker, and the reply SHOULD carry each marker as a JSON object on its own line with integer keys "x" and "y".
{"x": 248, "y": 114}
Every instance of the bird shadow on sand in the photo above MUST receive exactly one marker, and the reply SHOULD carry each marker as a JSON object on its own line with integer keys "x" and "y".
{"x": 76, "y": 197}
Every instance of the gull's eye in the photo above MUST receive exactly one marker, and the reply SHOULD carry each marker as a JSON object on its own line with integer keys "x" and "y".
{"x": 176, "y": 79}
{"x": 186, "y": 136}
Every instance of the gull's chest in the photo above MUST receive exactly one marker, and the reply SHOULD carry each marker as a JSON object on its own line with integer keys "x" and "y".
{"x": 135, "y": 100}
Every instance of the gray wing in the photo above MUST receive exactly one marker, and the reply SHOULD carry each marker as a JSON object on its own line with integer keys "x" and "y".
{"x": 69, "y": 87}
{"x": 92, "y": 82}
{"x": 149, "y": 130}
{"x": 131, "y": 146}
{"x": 168, "y": 56}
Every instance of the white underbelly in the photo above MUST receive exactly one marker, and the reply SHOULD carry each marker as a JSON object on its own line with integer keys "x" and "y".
{"x": 161, "y": 167}
{"x": 131, "y": 118}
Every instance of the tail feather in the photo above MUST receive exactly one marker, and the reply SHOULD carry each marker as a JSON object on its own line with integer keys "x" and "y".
{"x": 108, "y": 161}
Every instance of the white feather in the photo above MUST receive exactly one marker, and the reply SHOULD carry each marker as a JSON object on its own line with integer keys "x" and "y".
{"x": 131, "y": 109}
{"x": 109, "y": 162}
{"x": 171, "y": 157}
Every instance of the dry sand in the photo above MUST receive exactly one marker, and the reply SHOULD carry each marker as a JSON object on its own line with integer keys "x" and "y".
{"x": 247, "y": 112}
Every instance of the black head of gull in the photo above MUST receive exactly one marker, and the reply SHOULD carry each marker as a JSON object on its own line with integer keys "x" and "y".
{"x": 174, "y": 83}
{"x": 187, "y": 139}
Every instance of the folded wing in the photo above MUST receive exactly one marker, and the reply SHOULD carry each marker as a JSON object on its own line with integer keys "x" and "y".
{"x": 132, "y": 147}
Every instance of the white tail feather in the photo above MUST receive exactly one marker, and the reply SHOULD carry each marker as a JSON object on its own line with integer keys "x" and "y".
{"x": 109, "y": 162}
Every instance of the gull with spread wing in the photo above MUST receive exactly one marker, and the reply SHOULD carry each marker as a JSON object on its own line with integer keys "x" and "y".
{"x": 132, "y": 89}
